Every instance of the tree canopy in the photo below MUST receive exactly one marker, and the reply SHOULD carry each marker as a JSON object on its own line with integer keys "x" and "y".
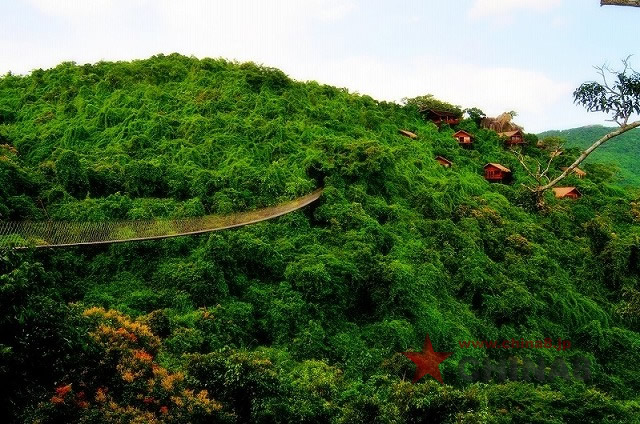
{"x": 429, "y": 102}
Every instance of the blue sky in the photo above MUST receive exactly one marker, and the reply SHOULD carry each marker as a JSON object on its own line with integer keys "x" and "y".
{"x": 499, "y": 55}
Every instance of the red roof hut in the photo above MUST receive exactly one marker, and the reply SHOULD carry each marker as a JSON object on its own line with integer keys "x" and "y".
{"x": 439, "y": 117}
{"x": 513, "y": 137}
{"x": 464, "y": 138}
{"x": 495, "y": 172}
{"x": 444, "y": 161}
{"x": 567, "y": 193}
{"x": 577, "y": 172}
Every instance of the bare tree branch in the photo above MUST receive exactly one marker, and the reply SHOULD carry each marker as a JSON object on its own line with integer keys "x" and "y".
{"x": 623, "y": 129}
{"x": 621, "y": 99}
{"x": 633, "y": 3}
{"x": 522, "y": 161}
{"x": 544, "y": 173}
{"x": 541, "y": 172}
{"x": 539, "y": 175}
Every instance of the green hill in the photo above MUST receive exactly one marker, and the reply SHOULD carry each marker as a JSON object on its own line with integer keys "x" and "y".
{"x": 303, "y": 318}
{"x": 621, "y": 153}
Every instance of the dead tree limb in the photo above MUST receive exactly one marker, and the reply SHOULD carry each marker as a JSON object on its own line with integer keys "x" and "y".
{"x": 632, "y": 3}
{"x": 620, "y": 98}
{"x": 587, "y": 152}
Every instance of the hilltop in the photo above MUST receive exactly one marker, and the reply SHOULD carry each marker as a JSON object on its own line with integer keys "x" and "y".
{"x": 620, "y": 153}
{"x": 303, "y": 318}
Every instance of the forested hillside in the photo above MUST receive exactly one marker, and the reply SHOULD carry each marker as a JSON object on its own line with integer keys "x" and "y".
{"x": 303, "y": 318}
{"x": 620, "y": 154}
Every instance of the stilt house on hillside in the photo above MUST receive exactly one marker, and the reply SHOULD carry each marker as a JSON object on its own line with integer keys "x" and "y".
{"x": 494, "y": 172}
{"x": 440, "y": 117}
{"x": 512, "y": 138}
{"x": 463, "y": 138}
{"x": 567, "y": 193}
{"x": 444, "y": 161}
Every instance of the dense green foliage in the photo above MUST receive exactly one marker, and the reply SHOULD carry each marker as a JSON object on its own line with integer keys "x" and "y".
{"x": 428, "y": 101}
{"x": 304, "y": 318}
{"x": 620, "y": 154}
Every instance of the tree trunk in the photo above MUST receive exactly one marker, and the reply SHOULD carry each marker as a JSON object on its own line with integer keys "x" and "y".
{"x": 623, "y": 129}
{"x": 634, "y": 3}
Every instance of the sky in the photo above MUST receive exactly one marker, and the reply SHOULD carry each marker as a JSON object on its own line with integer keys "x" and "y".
{"x": 498, "y": 55}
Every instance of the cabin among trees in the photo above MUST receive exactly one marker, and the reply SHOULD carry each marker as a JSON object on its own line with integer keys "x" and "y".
{"x": 444, "y": 161}
{"x": 512, "y": 138}
{"x": 440, "y": 117}
{"x": 463, "y": 138}
{"x": 494, "y": 172}
{"x": 576, "y": 171}
{"x": 566, "y": 193}
{"x": 409, "y": 134}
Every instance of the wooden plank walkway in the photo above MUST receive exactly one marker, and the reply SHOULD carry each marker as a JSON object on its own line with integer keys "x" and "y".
{"x": 31, "y": 234}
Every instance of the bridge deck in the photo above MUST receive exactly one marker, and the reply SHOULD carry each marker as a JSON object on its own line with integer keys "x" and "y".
{"x": 26, "y": 234}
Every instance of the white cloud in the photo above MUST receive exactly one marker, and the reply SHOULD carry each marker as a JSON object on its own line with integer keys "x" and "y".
{"x": 332, "y": 10}
{"x": 75, "y": 8}
{"x": 258, "y": 30}
{"x": 487, "y": 8}
{"x": 283, "y": 34}
{"x": 493, "y": 89}
{"x": 321, "y": 9}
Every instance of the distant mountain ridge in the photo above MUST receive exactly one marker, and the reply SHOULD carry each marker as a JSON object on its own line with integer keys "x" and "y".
{"x": 623, "y": 151}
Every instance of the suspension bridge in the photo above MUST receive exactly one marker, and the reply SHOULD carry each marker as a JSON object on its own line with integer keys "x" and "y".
{"x": 28, "y": 234}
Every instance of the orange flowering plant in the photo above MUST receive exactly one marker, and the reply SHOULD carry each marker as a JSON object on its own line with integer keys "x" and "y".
{"x": 134, "y": 387}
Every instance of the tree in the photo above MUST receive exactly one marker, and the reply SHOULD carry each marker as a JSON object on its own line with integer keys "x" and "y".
{"x": 430, "y": 102}
{"x": 633, "y": 3}
{"x": 553, "y": 143}
{"x": 619, "y": 98}
{"x": 72, "y": 174}
{"x": 475, "y": 114}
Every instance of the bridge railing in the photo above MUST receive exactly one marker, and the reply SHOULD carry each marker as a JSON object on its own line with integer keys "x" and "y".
{"x": 24, "y": 234}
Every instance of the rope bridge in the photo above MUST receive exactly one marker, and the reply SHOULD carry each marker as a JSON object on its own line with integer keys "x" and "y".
{"x": 24, "y": 234}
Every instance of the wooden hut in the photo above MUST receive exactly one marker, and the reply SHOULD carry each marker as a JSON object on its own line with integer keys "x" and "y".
{"x": 512, "y": 138}
{"x": 409, "y": 134}
{"x": 566, "y": 193}
{"x": 463, "y": 138}
{"x": 440, "y": 117}
{"x": 495, "y": 172}
{"x": 576, "y": 171}
{"x": 444, "y": 161}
